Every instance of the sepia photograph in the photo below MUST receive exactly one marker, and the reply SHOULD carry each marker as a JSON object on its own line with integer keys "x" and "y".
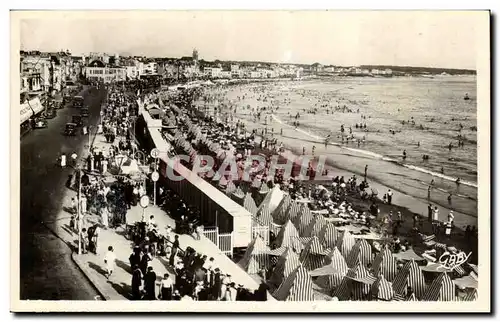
{"x": 255, "y": 161}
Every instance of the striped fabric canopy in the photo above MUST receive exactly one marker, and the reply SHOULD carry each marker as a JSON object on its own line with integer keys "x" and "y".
{"x": 328, "y": 235}
{"x": 297, "y": 286}
{"x": 313, "y": 257}
{"x": 264, "y": 216}
{"x": 385, "y": 264}
{"x": 410, "y": 275}
{"x": 288, "y": 237}
{"x": 264, "y": 189}
{"x": 333, "y": 272}
{"x": 249, "y": 204}
{"x": 294, "y": 211}
{"x": 382, "y": 289}
{"x": 470, "y": 296}
{"x": 256, "y": 257}
{"x": 355, "y": 285}
{"x": 302, "y": 222}
{"x": 345, "y": 242}
{"x": 315, "y": 226}
{"x": 287, "y": 262}
{"x": 360, "y": 253}
{"x": 238, "y": 195}
{"x": 441, "y": 289}
{"x": 279, "y": 214}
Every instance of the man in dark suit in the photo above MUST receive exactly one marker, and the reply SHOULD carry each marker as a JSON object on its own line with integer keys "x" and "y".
{"x": 216, "y": 287}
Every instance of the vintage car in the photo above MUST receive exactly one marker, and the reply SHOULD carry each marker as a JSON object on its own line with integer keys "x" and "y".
{"x": 77, "y": 120}
{"x": 50, "y": 113}
{"x": 84, "y": 112}
{"x": 70, "y": 129}
{"x": 40, "y": 123}
{"x": 78, "y": 101}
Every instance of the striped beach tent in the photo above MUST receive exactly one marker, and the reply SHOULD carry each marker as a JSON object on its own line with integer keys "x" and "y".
{"x": 280, "y": 213}
{"x": 315, "y": 226}
{"x": 333, "y": 272}
{"x": 286, "y": 263}
{"x": 441, "y": 289}
{"x": 410, "y": 275}
{"x": 238, "y": 195}
{"x": 264, "y": 216}
{"x": 230, "y": 188}
{"x": 294, "y": 211}
{"x": 470, "y": 295}
{"x": 313, "y": 255}
{"x": 249, "y": 204}
{"x": 256, "y": 257}
{"x": 360, "y": 253}
{"x": 382, "y": 289}
{"x": 385, "y": 264}
{"x": 345, "y": 242}
{"x": 328, "y": 235}
{"x": 288, "y": 237}
{"x": 272, "y": 199}
{"x": 355, "y": 285}
{"x": 298, "y": 286}
{"x": 303, "y": 221}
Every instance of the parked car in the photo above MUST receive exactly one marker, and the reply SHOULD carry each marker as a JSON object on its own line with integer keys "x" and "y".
{"x": 50, "y": 113}
{"x": 77, "y": 120}
{"x": 84, "y": 112}
{"x": 40, "y": 123}
{"x": 70, "y": 129}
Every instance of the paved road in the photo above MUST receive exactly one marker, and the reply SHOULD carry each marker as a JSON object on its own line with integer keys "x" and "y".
{"x": 47, "y": 270}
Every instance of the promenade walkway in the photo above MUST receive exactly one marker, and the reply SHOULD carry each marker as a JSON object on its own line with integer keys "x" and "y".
{"x": 117, "y": 287}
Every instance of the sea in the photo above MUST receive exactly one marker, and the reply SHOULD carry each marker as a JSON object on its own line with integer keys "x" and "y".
{"x": 421, "y": 116}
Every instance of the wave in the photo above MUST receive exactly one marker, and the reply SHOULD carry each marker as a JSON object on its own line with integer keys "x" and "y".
{"x": 378, "y": 156}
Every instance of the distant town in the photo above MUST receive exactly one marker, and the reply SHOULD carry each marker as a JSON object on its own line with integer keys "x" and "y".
{"x": 43, "y": 70}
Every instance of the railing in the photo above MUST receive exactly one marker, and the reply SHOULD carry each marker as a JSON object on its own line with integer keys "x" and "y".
{"x": 226, "y": 244}
{"x": 212, "y": 233}
{"x": 261, "y": 231}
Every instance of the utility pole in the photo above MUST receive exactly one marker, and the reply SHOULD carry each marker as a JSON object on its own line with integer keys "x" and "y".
{"x": 79, "y": 212}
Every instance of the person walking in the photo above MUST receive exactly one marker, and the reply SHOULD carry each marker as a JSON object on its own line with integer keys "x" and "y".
{"x": 429, "y": 213}
{"x": 175, "y": 249}
{"x": 166, "y": 288}
{"x": 136, "y": 282}
{"x": 109, "y": 261}
{"x": 389, "y": 197}
{"x": 149, "y": 284}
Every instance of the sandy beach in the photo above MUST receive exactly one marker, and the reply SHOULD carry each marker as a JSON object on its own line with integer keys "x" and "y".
{"x": 409, "y": 181}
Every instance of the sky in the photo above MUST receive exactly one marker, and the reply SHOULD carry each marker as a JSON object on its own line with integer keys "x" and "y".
{"x": 344, "y": 38}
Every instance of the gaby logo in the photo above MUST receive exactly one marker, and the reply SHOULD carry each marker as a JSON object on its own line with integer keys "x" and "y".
{"x": 451, "y": 261}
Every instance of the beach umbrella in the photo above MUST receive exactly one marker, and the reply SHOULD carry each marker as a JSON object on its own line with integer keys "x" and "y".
{"x": 288, "y": 236}
{"x": 230, "y": 188}
{"x": 280, "y": 213}
{"x": 287, "y": 262}
{"x": 410, "y": 275}
{"x": 328, "y": 235}
{"x": 385, "y": 264}
{"x": 441, "y": 289}
{"x": 313, "y": 254}
{"x": 249, "y": 204}
{"x": 345, "y": 242}
{"x": 469, "y": 281}
{"x": 382, "y": 289}
{"x": 298, "y": 286}
{"x": 303, "y": 221}
{"x": 360, "y": 253}
{"x": 330, "y": 276}
{"x": 315, "y": 226}
{"x": 293, "y": 211}
{"x": 355, "y": 285}
{"x": 408, "y": 256}
{"x": 255, "y": 257}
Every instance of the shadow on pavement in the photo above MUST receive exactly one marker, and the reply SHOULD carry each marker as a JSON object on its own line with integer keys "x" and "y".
{"x": 126, "y": 267}
{"x": 97, "y": 268}
{"x": 122, "y": 289}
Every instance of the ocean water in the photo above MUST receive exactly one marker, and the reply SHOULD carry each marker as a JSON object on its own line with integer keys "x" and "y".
{"x": 436, "y": 106}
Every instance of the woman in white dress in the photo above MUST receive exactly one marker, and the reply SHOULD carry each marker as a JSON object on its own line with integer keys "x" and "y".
{"x": 105, "y": 217}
